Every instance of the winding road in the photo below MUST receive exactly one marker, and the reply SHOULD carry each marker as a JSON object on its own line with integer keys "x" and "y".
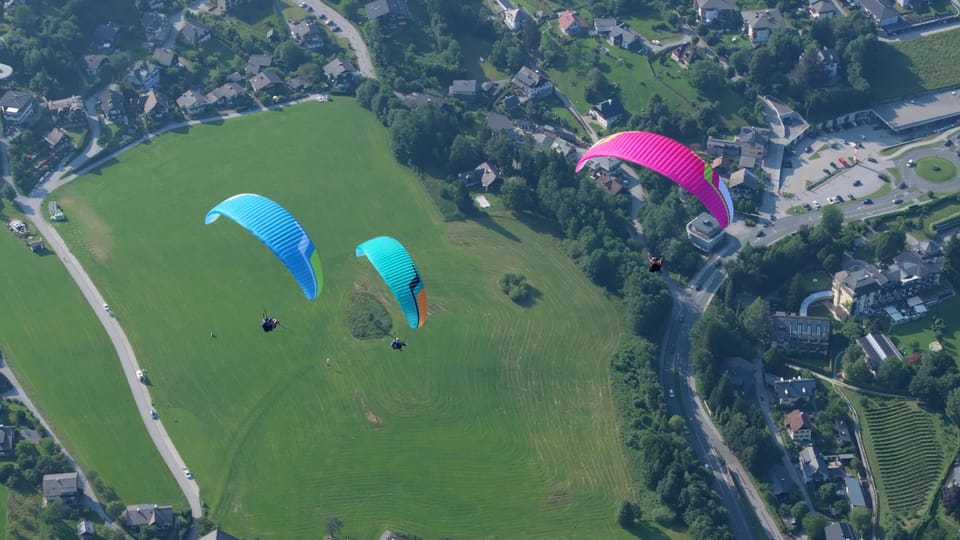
{"x": 364, "y": 62}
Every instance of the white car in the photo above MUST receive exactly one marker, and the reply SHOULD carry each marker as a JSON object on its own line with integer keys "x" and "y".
{"x": 671, "y": 393}
{"x": 153, "y": 414}
{"x": 655, "y": 42}
{"x": 187, "y": 473}
{"x": 106, "y": 307}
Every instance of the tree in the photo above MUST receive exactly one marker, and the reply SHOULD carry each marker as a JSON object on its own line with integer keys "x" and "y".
{"x": 334, "y": 525}
{"x": 464, "y": 153}
{"x": 115, "y": 509}
{"x": 953, "y": 405}
{"x": 596, "y": 88}
{"x": 894, "y": 374}
{"x": 773, "y": 358}
{"x": 951, "y": 501}
{"x": 516, "y": 195}
{"x": 53, "y": 512}
{"x": 856, "y": 372}
{"x": 756, "y": 320}
{"x": 860, "y": 519}
{"x": 888, "y": 245}
{"x": 814, "y": 524}
{"x": 291, "y": 54}
{"x": 795, "y": 292}
{"x": 709, "y": 78}
{"x": 627, "y": 515}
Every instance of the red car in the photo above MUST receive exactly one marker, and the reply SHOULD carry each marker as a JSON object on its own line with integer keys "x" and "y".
{"x": 843, "y": 162}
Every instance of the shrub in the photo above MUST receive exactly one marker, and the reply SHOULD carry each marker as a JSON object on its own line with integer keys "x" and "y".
{"x": 516, "y": 287}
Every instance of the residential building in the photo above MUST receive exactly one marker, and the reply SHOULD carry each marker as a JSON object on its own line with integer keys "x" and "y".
{"x": 264, "y": 80}
{"x": 307, "y": 33}
{"x": 876, "y": 349}
{"x": 154, "y": 105}
{"x": 930, "y": 251}
{"x": 144, "y": 75}
{"x": 194, "y": 33}
{"x": 192, "y": 102}
{"x": 685, "y": 54}
{"x": 798, "y": 426}
{"x": 57, "y": 137}
{"x": 66, "y": 487}
{"x": 18, "y": 107}
{"x": 68, "y": 112}
{"x": 155, "y": 26}
{"x": 498, "y": 122}
{"x": 854, "y": 492}
{"x": 298, "y": 84}
{"x": 8, "y": 434}
{"x": 822, "y": 9}
{"x": 571, "y": 24}
{"x": 485, "y": 175}
{"x": 608, "y": 112}
{"x": 610, "y": 184}
{"x": 840, "y": 531}
{"x": 711, "y": 10}
{"x": 801, "y": 333}
{"x": 511, "y": 104}
{"x": 341, "y": 72}
{"x": 812, "y": 468}
{"x": 749, "y": 146}
{"x": 463, "y": 89}
{"x": 843, "y": 432}
{"x": 779, "y": 479}
{"x": 565, "y": 149}
{"x": 830, "y": 61}
{"x": 882, "y": 12}
{"x": 530, "y": 84}
{"x": 257, "y": 63}
{"x": 604, "y": 165}
{"x": 604, "y": 25}
{"x": 218, "y": 534}
{"x": 789, "y": 392}
{"x": 104, "y": 36}
{"x": 869, "y": 290}
{"x": 112, "y": 105}
{"x": 515, "y": 18}
{"x": 759, "y": 24}
{"x": 148, "y": 515}
{"x": 165, "y": 57}
{"x": 225, "y": 95}
{"x": 93, "y": 63}
{"x": 624, "y": 38}
{"x": 388, "y": 11}
{"x": 743, "y": 183}
{"x": 227, "y": 5}
{"x": 85, "y": 530}
{"x": 704, "y": 232}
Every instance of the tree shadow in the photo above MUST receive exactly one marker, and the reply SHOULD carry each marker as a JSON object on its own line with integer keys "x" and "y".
{"x": 533, "y": 296}
{"x": 484, "y": 220}
{"x": 642, "y": 530}
{"x": 180, "y": 130}
{"x": 541, "y": 225}
{"x": 96, "y": 168}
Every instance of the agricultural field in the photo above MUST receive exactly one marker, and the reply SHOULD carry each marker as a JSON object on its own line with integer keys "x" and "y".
{"x": 61, "y": 355}
{"x": 909, "y": 451}
{"x": 476, "y": 430}
{"x": 913, "y": 66}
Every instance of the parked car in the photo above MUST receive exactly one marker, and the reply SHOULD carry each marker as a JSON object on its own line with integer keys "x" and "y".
{"x": 857, "y": 183}
{"x": 816, "y": 205}
{"x": 827, "y": 171}
{"x": 699, "y": 287}
{"x": 851, "y": 197}
{"x": 655, "y": 42}
{"x": 867, "y": 201}
{"x": 761, "y": 234}
{"x": 883, "y": 176}
{"x": 834, "y": 165}
{"x": 903, "y": 185}
{"x": 948, "y": 143}
{"x": 671, "y": 393}
{"x": 806, "y": 206}
{"x": 897, "y": 201}
{"x": 843, "y": 162}
{"x": 872, "y": 159}
{"x": 839, "y": 199}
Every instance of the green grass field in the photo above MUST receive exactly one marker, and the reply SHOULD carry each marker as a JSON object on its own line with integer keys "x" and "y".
{"x": 62, "y": 356}
{"x": 921, "y": 330}
{"x": 909, "y": 451}
{"x": 496, "y": 421}
{"x": 944, "y": 172}
{"x": 916, "y": 65}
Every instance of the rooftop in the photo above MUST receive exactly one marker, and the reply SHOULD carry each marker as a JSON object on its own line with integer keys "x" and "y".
{"x": 926, "y": 108}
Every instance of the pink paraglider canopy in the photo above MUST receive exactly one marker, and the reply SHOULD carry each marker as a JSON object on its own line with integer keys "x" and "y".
{"x": 671, "y": 159}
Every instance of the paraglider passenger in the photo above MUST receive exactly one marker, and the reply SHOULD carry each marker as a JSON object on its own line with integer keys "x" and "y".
{"x": 656, "y": 263}
{"x": 269, "y": 324}
{"x": 397, "y": 345}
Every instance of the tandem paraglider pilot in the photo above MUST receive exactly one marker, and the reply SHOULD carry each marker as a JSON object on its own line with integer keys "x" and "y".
{"x": 656, "y": 263}
{"x": 269, "y": 324}
{"x": 397, "y": 345}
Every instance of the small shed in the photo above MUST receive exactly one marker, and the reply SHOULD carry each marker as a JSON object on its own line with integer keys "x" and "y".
{"x": 36, "y": 246}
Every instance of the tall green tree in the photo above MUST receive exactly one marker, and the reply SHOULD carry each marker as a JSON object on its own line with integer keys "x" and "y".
{"x": 756, "y": 320}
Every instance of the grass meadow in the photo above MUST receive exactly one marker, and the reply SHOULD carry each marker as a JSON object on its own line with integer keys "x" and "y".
{"x": 64, "y": 359}
{"x": 913, "y": 66}
{"x": 495, "y": 421}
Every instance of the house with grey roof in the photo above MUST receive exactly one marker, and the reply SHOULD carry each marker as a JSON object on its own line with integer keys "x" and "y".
{"x": 148, "y": 515}
{"x": 112, "y": 105}
{"x": 871, "y": 289}
{"x": 800, "y": 332}
{"x": 194, "y": 33}
{"x": 218, "y": 534}
{"x": 388, "y": 12}
{"x": 144, "y": 75}
{"x": 463, "y": 89}
{"x": 743, "y": 183}
{"x": 225, "y": 95}
{"x": 85, "y": 530}
{"x": 8, "y": 441}
{"x": 341, "y": 72}
{"x": 878, "y": 348}
{"x": 104, "y": 36}
{"x": 840, "y": 531}
{"x": 93, "y": 63}
{"x": 882, "y": 12}
{"x": 65, "y": 486}
{"x": 485, "y": 175}
{"x": 811, "y": 465}
{"x": 18, "y": 107}
{"x": 704, "y": 232}
{"x": 854, "y": 492}
{"x": 192, "y": 102}
{"x": 822, "y": 9}
{"x": 307, "y": 33}
{"x": 257, "y": 63}
{"x": 608, "y": 112}
{"x": 624, "y": 38}
{"x": 604, "y": 25}
{"x": 759, "y": 24}
{"x": 165, "y": 57}
{"x": 57, "y": 137}
{"x": 155, "y": 26}
{"x": 789, "y": 392}
{"x": 711, "y": 10}
{"x": 67, "y": 112}
{"x": 264, "y": 80}
{"x": 530, "y": 84}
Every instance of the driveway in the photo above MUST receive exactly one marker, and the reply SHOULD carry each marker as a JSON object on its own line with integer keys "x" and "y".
{"x": 347, "y": 30}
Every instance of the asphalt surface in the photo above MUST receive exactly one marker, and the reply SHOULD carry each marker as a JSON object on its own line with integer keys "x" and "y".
{"x": 347, "y": 30}
{"x": 576, "y": 114}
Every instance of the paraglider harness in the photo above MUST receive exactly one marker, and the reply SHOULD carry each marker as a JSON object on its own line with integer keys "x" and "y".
{"x": 655, "y": 263}
{"x": 397, "y": 345}
{"x": 269, "y": 324}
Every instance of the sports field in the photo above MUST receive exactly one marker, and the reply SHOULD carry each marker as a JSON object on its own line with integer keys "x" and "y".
{"x": 495, "y": 422}
{"x": 61, "y": 354}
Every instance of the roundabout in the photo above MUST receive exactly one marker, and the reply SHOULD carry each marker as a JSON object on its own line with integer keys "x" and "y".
{"x": 936, "y": 169}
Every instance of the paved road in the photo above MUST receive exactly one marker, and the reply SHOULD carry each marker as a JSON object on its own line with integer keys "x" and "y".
{"x": 347, "y": 30}
{"x": 706, "y": 439}
{"x": 576, "y": 114}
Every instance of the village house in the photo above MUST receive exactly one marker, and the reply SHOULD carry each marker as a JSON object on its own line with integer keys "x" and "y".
{"x": 57, "y": 138}
{"x": 155, "y": 26}
{"x": 610, "y": 184}
{"x": 340, "y": 72}
{"x": 759, "y": 24}
{"x": 388, "y": 12}
{"x": 194, "y": 33}
{"x": 65, "y": 487}
{"x": 104, "y": 36}
{"x": 704, "y": 232}
{"x": 878, "y": 348}
{"x": 165, "y": 57}
{"x": 86, "y": 530}
{"x": 854, "y": 492}
{"x": 608, "y": 112}
{"x": 257, "y": 63}
{"x": 822, "y": 9}
{"x": 154, "y": 105}
{"x": 112, "y": 105}
{"x": 748, "y": 147}
{"x": 812, "y": 468}
{"x": 463, "y": 89}
{"x": 798, "y": 426}
{"x": 485, "y": 175}
{"x": 18, "y": 107}
{"x": 624, "y": 38}
{"x": 148, "y": 515}
{"x": 789, "y": 392}
{"x": 604, "y": 165}
{"x": 874, "y": 290}
{"x": 712, "y": 10}
{"x": 839, "y": 531}
{"x": 8, "y": 434}
{"x": 743, "y": 183}
{"x": 265, "y": 80}
{"x": 529, "y": 84}
{"x": 571, "y": 24}
{"x": 93, "y": 63}
{"x": 307, "y": 33}
{"x": 144, "y": 75}
{"x": 685, "y": 54}
{"x": 800, "y": 333}
{"x": 218, "y": 534}
{"x": 192, "y": 102}
{"x": 298, "y": 84}
{"x": 882, "y": 12}
{"x": 602, "y": 26}
{"x": 68, "y": 112}
{"x": 225, "y": 95}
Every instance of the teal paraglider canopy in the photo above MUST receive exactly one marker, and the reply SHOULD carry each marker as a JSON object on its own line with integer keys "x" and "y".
{"x": 278, "y": 229}
{"x": 396, "y": 267}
